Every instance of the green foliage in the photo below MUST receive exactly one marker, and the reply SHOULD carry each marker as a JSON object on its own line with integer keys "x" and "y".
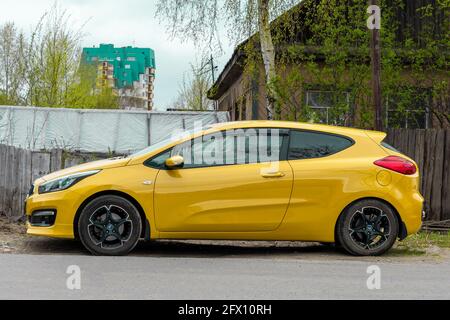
{"x": 11, "y": 63}
{"x": 45, "y": 69}
{"x": 84, "y": 94}
{"x": 289, "y": 97}
{"x": 5, "y": 100}
{"x": 106, "y": 99}
{"x": 324, "y": 45}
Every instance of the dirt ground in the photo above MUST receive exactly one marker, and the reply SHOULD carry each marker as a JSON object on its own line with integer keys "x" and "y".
{"x": 12, "y": 235}
{"x": 13, "y": 239}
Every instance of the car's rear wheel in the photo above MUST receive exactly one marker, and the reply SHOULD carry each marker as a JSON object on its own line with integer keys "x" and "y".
{"x": 109, "y": 225}
{"x": 367, "y": 228}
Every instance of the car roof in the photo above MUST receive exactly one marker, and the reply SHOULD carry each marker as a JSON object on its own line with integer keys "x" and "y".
{"x": 295, "y": 125}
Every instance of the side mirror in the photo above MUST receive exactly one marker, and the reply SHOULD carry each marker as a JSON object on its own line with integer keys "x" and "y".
{"x": 174, "y": 162}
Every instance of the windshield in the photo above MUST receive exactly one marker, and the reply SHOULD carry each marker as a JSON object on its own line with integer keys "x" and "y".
{"x": 151, "y": 148}
{"x": 167, "y": 141}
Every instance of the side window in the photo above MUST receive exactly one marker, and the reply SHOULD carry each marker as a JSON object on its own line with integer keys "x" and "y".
{"x": 254, "y": 145}
{"x": 307, "y": 145}
{"x": 201, "y": 152}
{"x": 240, "y": 146}
{"x": 159, "y": 160}
{"x": 270, "y": 143}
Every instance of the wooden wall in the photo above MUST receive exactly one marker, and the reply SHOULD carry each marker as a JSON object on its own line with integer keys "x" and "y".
{"x": 431, "y": 150}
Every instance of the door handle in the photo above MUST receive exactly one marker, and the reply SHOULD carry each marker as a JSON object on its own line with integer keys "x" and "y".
{"x": 272, "y": 174}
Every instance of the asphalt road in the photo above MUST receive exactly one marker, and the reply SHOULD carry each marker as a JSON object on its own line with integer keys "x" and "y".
{"x": 243, "y": 274}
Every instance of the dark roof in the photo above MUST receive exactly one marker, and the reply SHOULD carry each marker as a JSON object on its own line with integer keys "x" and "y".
{"x": 231, "y": 71}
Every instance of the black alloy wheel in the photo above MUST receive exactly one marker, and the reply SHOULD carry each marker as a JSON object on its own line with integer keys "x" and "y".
{"x": 368, "y": 227}
{"x": 109, "y": 225}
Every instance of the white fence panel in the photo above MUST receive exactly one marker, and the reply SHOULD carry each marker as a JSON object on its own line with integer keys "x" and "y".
{"x": 120, "y": 131}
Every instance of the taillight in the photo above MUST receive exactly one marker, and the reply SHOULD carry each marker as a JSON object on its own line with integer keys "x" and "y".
{"x": 397, "y": 164}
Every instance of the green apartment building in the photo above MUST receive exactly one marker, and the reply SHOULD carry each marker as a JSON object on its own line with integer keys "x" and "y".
{"x": 128, "y": 70}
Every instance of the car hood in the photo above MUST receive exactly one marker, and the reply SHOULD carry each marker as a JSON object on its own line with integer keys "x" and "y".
{"x": 95, "y": 165}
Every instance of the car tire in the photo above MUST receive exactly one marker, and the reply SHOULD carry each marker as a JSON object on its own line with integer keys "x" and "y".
{"x": 109, "y": 225}
{"x": 367, "y": 228}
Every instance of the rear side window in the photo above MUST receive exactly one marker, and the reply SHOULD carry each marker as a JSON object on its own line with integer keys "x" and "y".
{"x": 307, "y": 144}
{"x": 388, "y": 146}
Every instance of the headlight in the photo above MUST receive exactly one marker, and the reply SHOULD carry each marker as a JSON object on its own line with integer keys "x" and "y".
{"x": 64, "y": 182}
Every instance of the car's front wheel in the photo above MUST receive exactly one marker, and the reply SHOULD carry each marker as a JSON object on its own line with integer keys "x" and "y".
{"x": 367, "y": 228}
{"x": 109, "y": 225}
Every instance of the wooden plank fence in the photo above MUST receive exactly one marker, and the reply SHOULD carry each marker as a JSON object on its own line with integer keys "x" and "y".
{"x": 430, "y": 148}
{"x": 20, "y": 167}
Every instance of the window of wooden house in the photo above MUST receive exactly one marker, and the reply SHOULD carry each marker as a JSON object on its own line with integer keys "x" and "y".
{"x": 408, "y": 108}
{"x": 328, "y": 107}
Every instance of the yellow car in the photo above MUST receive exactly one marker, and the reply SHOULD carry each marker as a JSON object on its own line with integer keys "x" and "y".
{"x": 252, "y": 180}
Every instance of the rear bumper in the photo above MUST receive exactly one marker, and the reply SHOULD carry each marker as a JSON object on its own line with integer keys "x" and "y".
{"x": 411, "y": 213}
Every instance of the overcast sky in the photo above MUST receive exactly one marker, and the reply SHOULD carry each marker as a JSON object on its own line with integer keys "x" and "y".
{"x": 122, "y": 23}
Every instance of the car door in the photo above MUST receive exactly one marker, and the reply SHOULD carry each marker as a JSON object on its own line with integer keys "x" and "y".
{"x": 321, "y": 172}
{"x": 242, "y": 190}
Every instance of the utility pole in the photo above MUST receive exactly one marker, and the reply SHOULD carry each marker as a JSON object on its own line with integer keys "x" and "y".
{"x": 210, "y": 64}
{"x": 213, "y": 68}
{"x": 213, "y": 74}
{"x": 374, "y": 25}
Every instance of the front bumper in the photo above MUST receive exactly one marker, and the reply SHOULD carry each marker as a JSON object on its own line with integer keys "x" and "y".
{"x": 64, "y": 203}
{"x": 56, "y": 231}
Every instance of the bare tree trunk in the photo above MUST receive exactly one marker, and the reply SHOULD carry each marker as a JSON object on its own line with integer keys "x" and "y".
{"x": 268, "y": 53}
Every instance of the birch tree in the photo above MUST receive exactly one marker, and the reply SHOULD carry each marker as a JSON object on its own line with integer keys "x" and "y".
{"x": 53, "y": 59}
{"x": 201, "y": 21}
{"x": 11, "y": 63}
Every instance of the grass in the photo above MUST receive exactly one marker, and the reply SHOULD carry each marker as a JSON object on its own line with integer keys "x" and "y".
{"x": 425, "y": 239}
{"x": 422, "y": 243}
